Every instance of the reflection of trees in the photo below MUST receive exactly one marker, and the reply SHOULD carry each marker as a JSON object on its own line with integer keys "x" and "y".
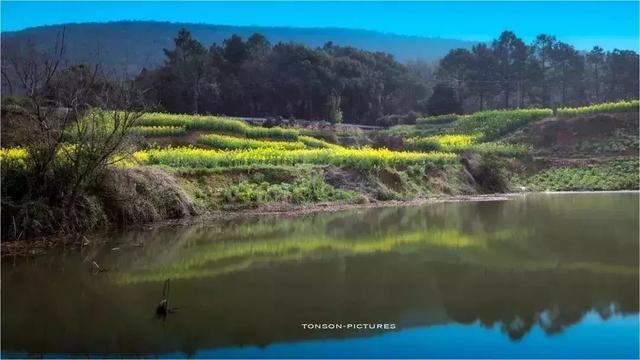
{"x": 266, "y": 305}
{"x": 516, "y": 301}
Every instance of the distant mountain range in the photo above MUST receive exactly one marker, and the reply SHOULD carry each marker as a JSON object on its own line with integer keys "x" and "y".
{"x": 132, "y": 45}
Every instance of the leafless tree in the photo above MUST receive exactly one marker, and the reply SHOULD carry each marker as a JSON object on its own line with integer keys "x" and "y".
{"x": 79, "y": 123}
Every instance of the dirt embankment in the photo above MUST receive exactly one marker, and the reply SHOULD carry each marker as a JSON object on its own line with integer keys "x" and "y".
{"x": 592, "y": 136}
{"x": 125, "y": 196}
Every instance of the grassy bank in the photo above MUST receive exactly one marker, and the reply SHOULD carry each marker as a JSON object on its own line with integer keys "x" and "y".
{"x": 615, "y": 175}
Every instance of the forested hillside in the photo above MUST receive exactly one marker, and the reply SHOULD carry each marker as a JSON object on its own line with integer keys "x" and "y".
{"x": 253, "y": 77}
{"x": 257, "y": 76}
{"x": 133, "y": 45}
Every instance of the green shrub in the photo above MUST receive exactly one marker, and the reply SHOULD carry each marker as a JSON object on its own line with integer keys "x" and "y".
{"x": 304, "y": 190}
{"x": 271, "y": 133}
{"x": 407, "y": 131}
{"x": 619, "y": 175}
{"x": 422, "y": 144}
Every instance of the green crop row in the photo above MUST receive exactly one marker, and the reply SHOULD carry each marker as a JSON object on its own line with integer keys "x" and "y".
{"x": 439, "y": 119}
{"x": 216, "y": 123}
{"x": 496, "y": 148}
{"x": 620, "y": 106}
{"x": 157, "y": 131}
{"x": 312, "y": 142}
{"x": 494, "y": 123}
{"x": 462, "y": 143}
{"x": 232, "y": 143}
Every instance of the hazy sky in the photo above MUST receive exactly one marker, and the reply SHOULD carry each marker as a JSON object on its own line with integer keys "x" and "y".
{"x": 583, "y": 24}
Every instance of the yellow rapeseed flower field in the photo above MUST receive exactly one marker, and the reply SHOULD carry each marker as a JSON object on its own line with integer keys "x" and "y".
{"x": 439, "y": 142}
{"x": 12, "y": 153}
{"x": 364, "y": 159}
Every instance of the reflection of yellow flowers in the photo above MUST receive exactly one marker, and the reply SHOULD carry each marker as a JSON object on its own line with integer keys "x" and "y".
{"x": 451, "y": 238}
{"x": 366, "y": 158}
{"x": 228, "y": 256}
{"x": 221, "y": 257}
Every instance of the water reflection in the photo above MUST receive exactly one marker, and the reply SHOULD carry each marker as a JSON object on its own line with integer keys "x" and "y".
{"x": 541, "y": 262}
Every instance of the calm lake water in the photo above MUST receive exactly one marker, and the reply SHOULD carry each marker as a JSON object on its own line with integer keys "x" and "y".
{"x": 547, "y": 275}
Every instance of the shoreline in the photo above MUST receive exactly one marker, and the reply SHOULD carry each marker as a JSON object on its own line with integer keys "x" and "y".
{"x": 287, "y": 210}
{"x": 35, "y": 247}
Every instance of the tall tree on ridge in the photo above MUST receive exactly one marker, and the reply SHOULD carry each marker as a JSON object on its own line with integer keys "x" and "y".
{"x": 443, "y": 101}
{"x": 596, "y": 59}
{"x": 455, "y": 66}
{"x": 622, "y": 68}
{"x": 568, "y": 66}
{"x": 483, "y": 76}
{"x": 542, "y": 48}
{"x": 188, "y": 62}
{"x": 511, "y": 53}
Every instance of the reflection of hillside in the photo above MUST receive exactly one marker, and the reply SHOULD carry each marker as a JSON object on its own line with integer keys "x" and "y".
{"x": 557, "y": 230}
{"x": 444, "y": 245}
{"x": 515, "y": 265}
{"x": 488, "y": 234}
{"x": 223, "y": 257}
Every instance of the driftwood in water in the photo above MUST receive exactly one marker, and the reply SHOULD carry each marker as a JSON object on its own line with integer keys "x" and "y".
{"x": 97, "y": 268}
{"x": 163, "y": 308}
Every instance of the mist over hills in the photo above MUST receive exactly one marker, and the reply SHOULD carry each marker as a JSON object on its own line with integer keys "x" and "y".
{"x": 132, "y": 45}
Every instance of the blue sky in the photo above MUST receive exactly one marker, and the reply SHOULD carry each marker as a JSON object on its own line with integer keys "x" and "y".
{"x": 584, "y": 24}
